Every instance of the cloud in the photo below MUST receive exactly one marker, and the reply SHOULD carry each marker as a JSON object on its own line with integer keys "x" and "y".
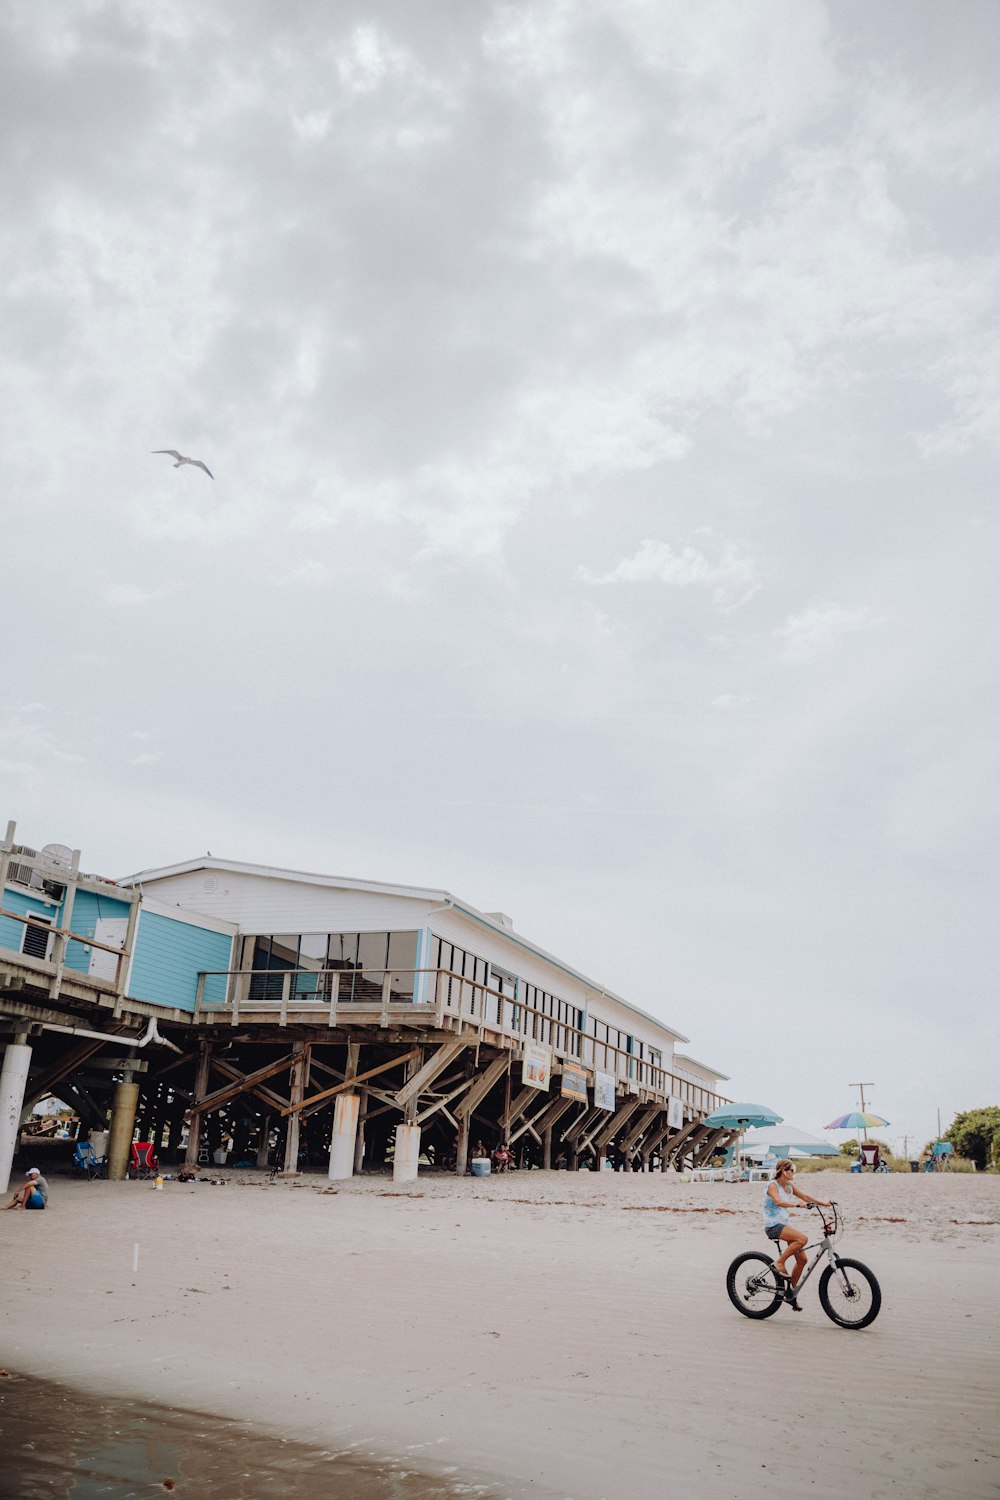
{"x": 731, "y": 579}
{"x": 132, "y": 595}
{"x": 816, "y": 630}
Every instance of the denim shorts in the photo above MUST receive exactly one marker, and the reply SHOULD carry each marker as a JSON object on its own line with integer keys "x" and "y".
{"x": 774, "y": 1231}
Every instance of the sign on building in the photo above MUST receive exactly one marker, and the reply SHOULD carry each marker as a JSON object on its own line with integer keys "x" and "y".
{"x": 536, "y": 1066}
{"x": 604, "y": 1091}
{"x": 675, "y": 1113}
{"x": 574, "y": 1084}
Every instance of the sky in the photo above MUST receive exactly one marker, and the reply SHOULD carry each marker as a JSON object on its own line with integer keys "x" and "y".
{"x": 603, "y": 405}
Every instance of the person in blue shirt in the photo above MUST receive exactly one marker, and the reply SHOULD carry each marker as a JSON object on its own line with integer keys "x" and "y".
{"x": 33, "y": 1194}
{"x": 778, "y": 1228}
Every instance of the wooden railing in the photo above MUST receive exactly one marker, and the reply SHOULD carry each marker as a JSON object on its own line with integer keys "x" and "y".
{"x": 385, "y": 997}
{"x": 62, "y": 937}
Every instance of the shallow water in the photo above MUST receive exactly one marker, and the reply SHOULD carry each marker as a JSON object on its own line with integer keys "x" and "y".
{"x": 55, "y": 1442}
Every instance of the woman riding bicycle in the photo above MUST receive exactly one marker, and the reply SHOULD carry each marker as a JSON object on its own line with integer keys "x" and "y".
{"x": 778, "y": 1228}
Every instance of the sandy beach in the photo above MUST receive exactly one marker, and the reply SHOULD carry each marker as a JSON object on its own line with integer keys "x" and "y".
{"x": 546, "y": 1334}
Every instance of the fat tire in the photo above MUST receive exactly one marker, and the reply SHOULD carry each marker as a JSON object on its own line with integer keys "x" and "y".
{"x": 765, "y": 1263}
{"x": 861, "y": 1271}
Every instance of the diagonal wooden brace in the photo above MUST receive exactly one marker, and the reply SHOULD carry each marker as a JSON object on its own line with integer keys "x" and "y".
{"x": 481, "y": 1086}
{"x": 631, "y": 1141}
{"x": 600, "y": 1138}
{"x": 432, "y": 1068}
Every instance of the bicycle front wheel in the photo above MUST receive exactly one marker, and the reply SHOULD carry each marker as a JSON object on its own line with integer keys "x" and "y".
{"x": 753, "y": 1286}
{"x": 849, "y": 1294}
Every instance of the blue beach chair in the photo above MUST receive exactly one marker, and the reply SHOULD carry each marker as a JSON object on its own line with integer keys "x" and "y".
{"x": 86, "y": 1159}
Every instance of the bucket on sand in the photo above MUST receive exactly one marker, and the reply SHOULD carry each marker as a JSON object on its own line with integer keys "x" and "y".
{"x": 481, "y": 1166}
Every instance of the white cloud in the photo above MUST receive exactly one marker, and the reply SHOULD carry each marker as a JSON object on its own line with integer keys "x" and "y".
{"x": 132, "y": 595}
{"x": 817, "y": 629}
{"x": 731, "y": 579}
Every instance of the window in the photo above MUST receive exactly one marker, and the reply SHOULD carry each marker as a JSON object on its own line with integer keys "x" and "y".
{"x": 35, "y": 939}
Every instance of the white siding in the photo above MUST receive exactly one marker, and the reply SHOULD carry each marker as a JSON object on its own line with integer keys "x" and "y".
{"x": 533, "y": 969}
{"x": 261, "y": 905}
{"x": 266, "y": 904}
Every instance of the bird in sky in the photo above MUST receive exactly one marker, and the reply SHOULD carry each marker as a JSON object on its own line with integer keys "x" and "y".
{"x": 182, "y": 460}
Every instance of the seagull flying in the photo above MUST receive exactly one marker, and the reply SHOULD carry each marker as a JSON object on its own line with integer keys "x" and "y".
{"x": 182, "y": 460}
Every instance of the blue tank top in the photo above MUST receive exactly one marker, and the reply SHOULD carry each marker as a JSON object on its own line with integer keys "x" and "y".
{"x": 773, "y": 1212}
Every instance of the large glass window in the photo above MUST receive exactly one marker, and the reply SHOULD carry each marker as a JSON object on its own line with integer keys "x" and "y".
{"x": 361, "y": 959}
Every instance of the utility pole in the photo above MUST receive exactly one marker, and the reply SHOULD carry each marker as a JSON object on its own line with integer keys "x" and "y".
{"x": 862, "y": 1087}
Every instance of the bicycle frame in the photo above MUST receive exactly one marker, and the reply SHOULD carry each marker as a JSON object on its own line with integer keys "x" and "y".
{"x": 824, "y": 1246}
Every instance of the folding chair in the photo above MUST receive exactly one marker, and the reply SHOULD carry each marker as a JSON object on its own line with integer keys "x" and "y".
{"x": 86, "y": 1159}
{"x": 143, "y": 1162}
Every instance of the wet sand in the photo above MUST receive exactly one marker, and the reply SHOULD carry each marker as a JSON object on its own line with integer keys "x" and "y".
{"x": 58, "y": 1442}
{"x": 544, "y": 1334}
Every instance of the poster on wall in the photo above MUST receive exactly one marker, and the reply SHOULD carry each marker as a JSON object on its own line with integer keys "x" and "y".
{"x": 604, "y": 1091}
{"x": 536, "y": 1066}
{"x": 675, "y": 1113}
{"x": 574, "y": 1084}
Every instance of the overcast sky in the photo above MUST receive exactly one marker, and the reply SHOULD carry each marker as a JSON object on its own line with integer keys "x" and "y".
{"x": 603, "y": 404}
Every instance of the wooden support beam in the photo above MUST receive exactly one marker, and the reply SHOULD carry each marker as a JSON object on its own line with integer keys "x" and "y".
{"x": 554, "y": 1111}
{"x": 349, "y": 1083}
{"x": 259, "y": 1090}
{"x": 432, "y": 1068}
{"x": 600, "y": 1138}
{"x": 531, "y": 1124}
{"x": 631, "y": 1141}
{"x": 585, "y": 1120}
{"x": 68, "y": 1063}
{"x": 682, "y": 1138}
{"x": 175, "y": 1062}
{"x": 482, "y": 1085}
{"x": 518, "y": 1106}
{"x": 299, "y": 1074}
{"x": 243, "y": 1081}
{"x": 200, "y": 1087}
{"x": 707, "y": 1148}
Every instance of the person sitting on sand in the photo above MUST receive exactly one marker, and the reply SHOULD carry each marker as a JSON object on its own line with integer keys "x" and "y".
{"x": 33, "y": 1194}
{"x": 778, "y": 1228}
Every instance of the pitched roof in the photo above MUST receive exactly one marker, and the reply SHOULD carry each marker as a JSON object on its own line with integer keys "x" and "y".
{"x": 416, "y": 893}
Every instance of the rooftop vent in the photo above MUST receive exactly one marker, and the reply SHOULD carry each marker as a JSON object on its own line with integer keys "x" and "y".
{"x": 501, "y": 919}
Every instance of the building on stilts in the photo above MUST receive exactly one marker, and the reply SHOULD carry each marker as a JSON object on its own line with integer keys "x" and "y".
{"x": 224, "y": 1010}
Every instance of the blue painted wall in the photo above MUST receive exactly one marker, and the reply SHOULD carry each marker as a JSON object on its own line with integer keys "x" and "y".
{"x": 11, "y": 932}
{"x": 87, "y": 907}
{"x": 168, "y": 955}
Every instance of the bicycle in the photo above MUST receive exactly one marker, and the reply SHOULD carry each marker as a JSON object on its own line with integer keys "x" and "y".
{"x": 848, "y": 1291}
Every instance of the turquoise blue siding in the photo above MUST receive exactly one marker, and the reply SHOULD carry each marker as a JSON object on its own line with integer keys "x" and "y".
{"x": 87, "y": 907}
{"x": 11, "y": 932}
{"x": 168, "y": 956}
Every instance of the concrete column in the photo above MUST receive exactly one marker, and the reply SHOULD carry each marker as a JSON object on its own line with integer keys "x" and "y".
{"x": 407, "y": 1156}
{"x": 13, "y": 1081}
{"x": 122, "y": 1129}
{"x": 547, "y": 1148}
{"x": 345, "y": 1129}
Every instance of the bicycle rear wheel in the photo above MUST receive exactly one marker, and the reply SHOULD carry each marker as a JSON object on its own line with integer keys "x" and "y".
{"x": 849, "y": 1294}
{"x": 753, "y": 1285}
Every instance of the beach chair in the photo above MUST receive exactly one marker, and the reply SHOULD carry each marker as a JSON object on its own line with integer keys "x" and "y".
{"x": 86, "y": 1159}
{"x": 871, "y": 1157}
{"x": 143, "y": 1162}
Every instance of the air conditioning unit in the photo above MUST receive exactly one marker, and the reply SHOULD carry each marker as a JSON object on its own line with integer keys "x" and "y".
{"x": 54, "y": 889}
{"x": 21, "y": 874}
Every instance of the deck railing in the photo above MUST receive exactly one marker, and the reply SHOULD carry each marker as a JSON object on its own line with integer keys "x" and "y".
{"x": 385, "y": 997}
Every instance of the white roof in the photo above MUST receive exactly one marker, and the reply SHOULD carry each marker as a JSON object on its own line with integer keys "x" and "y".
{"x": 416, "y": 893}
{"x": 682, "y": 1057}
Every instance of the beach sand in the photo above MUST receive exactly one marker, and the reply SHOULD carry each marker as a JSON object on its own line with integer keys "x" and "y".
{"x": 546, "y": 1334}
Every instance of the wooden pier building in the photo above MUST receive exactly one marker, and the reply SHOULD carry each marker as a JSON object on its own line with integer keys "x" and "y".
{"x": 289, "y": 1019}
